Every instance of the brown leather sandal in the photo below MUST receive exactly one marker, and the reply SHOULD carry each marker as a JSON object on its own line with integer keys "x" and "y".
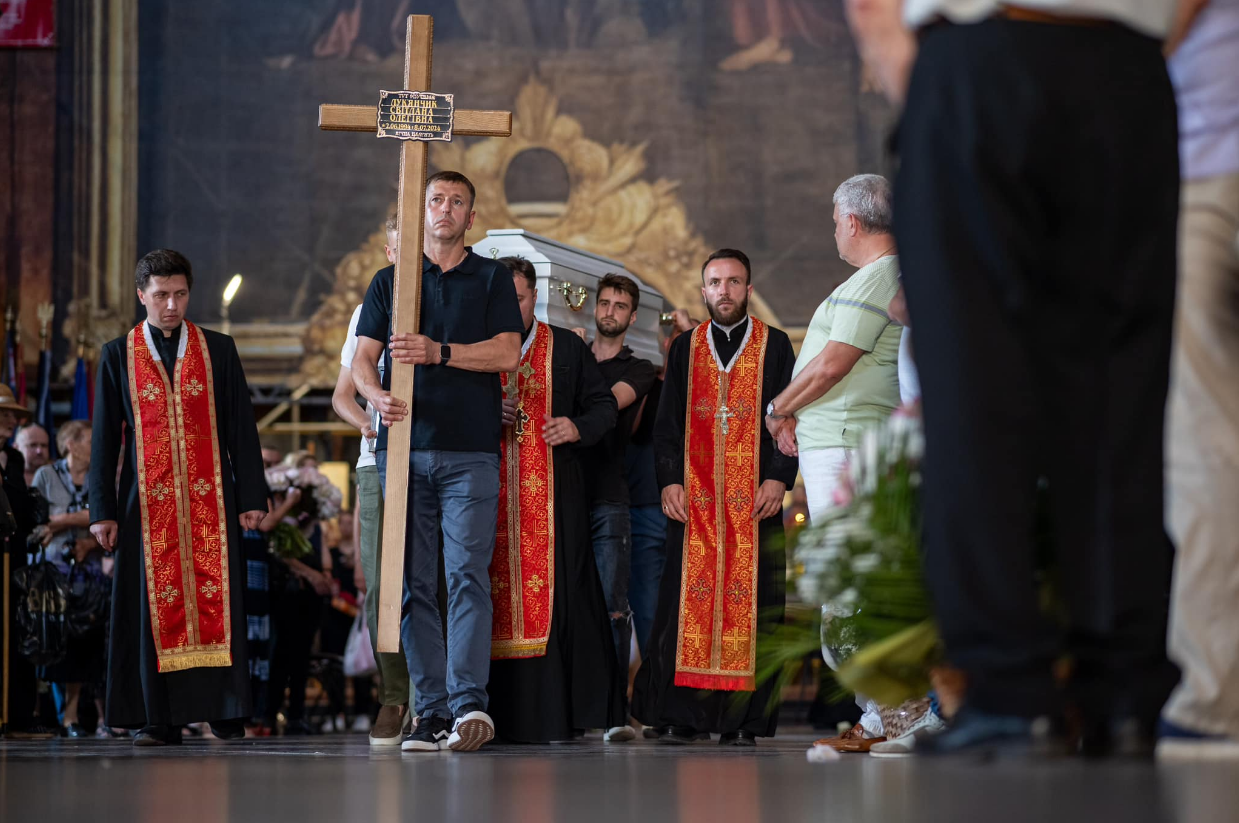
{"x": 853, "y": 740}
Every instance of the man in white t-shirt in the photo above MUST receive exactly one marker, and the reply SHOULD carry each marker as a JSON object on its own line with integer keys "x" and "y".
{"x": 394, "y": 718}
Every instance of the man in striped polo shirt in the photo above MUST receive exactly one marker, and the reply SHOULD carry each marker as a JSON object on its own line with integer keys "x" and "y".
{"x": 846, "y": 378}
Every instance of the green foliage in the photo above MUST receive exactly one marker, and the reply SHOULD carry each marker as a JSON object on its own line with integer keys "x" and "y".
{"x": 287, "y": 541}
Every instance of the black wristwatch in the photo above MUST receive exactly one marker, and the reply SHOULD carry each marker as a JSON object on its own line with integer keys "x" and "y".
{"x": 445, "y": 354}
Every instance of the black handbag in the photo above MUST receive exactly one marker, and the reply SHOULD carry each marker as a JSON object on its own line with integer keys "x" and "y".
{"x": 88, "y": 600}
{"x": 44, "y": 596}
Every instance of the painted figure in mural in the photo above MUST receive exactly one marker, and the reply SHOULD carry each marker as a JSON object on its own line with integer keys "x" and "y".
{"x": 762, "y": 29}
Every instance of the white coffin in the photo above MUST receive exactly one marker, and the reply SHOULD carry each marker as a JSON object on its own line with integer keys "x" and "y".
{"x": 563, "y": 271}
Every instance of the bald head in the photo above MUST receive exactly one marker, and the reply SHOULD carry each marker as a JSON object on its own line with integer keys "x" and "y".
{"x": 32, "y": 441}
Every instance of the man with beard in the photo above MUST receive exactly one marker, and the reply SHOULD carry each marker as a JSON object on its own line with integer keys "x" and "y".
{"x": 630, "y": 379}
{"x": 553, "y": 668}
{"x": 722, "y": 482}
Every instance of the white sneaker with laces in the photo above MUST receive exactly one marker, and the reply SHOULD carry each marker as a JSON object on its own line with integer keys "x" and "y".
{"x": 904, "y": 745}
{"x": 620, "y": 734}
{"x": 471, "y": 731}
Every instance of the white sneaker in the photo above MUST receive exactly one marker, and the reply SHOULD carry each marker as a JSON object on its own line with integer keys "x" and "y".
{"x": 620, "y": 734}
{"x": 471, "y": 730}
{"x": 904, "y": 745}
{"x": 361, "y": 723}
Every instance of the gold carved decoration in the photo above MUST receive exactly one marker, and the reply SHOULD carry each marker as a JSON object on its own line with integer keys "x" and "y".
{"x": 90, "y": 328}
{"x": 325, "y": 333}
{"x": 610, "y": 211}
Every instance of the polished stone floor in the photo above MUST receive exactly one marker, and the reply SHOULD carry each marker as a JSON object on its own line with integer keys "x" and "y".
{"x": 337, "y": 777}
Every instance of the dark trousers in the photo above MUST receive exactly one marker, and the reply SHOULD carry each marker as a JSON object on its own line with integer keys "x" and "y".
{"x": 649, "y": 537}
{"x": 297, "y": 614}
{"x": 1035, "y": 213}
{"x": 21, "y": 689}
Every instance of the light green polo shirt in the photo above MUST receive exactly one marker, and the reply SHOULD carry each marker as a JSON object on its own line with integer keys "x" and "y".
{"x": 856, "y": 314}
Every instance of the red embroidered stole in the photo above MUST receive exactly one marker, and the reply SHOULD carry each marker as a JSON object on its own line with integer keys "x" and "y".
{"x": 184, "y": 528}
{"x": 522, "y": 569}
{"x": 716, "y": 646}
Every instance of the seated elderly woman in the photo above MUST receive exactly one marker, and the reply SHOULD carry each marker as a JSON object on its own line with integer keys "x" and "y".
{"x": 68, "y": 543}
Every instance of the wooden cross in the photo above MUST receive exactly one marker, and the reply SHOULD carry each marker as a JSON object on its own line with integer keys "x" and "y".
{"x": 521, "y": 420}
{"x": 406, "y": 298}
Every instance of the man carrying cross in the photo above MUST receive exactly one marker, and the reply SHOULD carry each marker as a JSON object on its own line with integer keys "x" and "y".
{"x": 471, "y": 327}
{"x": 722, "y": 482}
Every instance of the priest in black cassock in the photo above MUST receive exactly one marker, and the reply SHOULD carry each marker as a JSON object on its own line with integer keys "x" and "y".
{"x": 722, "y": 481}
{"x": 553, "y": 662}
{"x": 173, "y": 397}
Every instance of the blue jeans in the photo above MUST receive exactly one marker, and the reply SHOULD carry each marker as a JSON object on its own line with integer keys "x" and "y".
{"x": 458, "y": 491}
{"x": 612, "y": 540}
{"x": 649, "y": 553}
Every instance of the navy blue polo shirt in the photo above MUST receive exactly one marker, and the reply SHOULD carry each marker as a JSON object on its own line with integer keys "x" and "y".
{"x": 453, "y": 409}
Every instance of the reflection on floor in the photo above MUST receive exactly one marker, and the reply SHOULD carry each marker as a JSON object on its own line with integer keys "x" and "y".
{"x": 338, "y": 777}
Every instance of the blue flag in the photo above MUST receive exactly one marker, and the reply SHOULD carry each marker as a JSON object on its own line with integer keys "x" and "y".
{"x": 11, "y": 370}
{"x": 43, "y": 412}
{"x": 81, "y": 392}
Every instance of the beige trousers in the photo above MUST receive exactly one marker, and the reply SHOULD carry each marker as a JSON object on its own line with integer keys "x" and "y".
{"x": 1202, "y": 456}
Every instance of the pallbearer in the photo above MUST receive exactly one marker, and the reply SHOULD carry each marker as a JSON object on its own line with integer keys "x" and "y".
{"x": 553, "y": 667}
{"x": 722, "y": 482}
{"x": 175, "y": 397}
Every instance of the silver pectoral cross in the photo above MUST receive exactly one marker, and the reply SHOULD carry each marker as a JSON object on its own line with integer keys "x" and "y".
{"x": 724, "y": 414}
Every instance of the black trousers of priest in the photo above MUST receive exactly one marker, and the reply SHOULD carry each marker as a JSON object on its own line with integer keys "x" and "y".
{"x": 657, "y": 701}
{"x": 1035, "y": 212}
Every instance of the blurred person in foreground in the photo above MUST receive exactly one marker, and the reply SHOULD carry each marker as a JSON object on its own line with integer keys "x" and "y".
{"x": 1040, "y": 271}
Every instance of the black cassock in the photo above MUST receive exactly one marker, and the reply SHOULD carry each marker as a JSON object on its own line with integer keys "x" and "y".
{"x": 575, "y": 684}
{"x": 657, "y": 701}
{"x": 137, "y": 694}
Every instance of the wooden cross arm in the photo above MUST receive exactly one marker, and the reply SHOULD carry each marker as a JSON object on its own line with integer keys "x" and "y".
{"x": 466, "y": 122}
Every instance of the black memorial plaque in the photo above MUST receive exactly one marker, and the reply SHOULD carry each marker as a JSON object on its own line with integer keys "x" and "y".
{"x": 415, "y": 115}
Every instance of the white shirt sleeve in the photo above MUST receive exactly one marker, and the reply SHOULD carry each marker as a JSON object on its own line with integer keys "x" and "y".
{"x": 350, "y": 341}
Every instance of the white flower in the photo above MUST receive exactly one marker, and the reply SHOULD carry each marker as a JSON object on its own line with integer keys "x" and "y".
{"x": 866, "y": 563}
{"x": 278, "y": 479}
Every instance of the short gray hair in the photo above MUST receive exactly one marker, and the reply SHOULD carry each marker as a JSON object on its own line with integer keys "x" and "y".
{"x": 867, "y": 197}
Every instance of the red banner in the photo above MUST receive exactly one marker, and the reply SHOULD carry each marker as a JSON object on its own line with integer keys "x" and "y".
{"x": 27, "y": 23}
{"x": 184, "y": 527}
{"x": 716, "y": 646}
{"x": 522, "y": 569}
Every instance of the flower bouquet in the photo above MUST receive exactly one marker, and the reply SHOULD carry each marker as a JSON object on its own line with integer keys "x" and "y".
{"x": 320, "y": 499}
{"x": 862, "y": 565}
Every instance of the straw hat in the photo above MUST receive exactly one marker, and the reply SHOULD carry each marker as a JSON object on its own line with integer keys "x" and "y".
{"x": 9, "y": 402}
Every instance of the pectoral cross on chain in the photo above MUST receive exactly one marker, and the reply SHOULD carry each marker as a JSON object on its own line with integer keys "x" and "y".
{"x": 724, "y": 414}
{"x": 521, "y": 420}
